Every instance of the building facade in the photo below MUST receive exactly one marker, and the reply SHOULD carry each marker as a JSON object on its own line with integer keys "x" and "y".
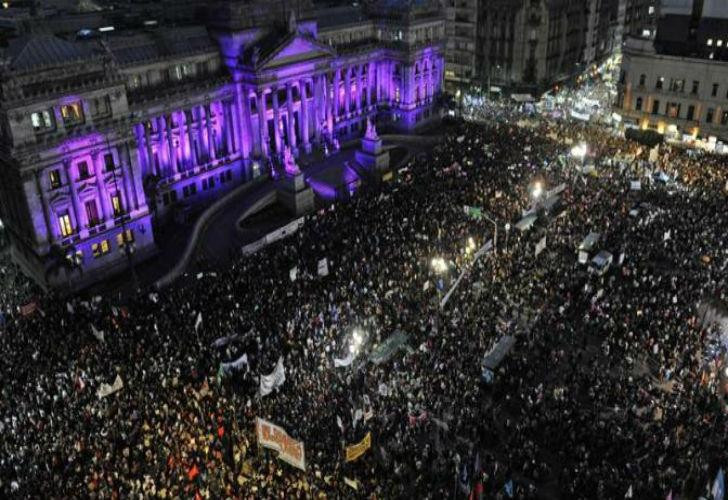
{"x": 101, "y": 138}
{"x": 531, "y": 44}
{"x": 461, "y": 31}
{"x": 678, "y": 83}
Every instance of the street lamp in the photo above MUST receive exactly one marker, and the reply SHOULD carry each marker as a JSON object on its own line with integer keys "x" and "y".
{"x": 537, "y": 190}
{"x": 508, "y": 228}
{"x": 438, "y": 265}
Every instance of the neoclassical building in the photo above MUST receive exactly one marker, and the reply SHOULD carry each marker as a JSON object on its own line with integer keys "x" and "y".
{"x": 102, "y": 137}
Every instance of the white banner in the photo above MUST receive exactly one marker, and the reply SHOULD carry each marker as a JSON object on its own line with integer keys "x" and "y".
{"x": 540, "y": 246}
{"x": 107, "y": 390}
{"x": 323, "y": 267}
{"x": 235, "y": 365}
{"x": 635, "y": 185}
{"x": 338, "y": 363}
{"x": 275, "y": 379}
{"x": 557, "y": 190}
{"x": 276, "y": 438}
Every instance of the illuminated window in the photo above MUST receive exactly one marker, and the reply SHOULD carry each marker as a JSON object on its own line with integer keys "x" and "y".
{"x": 42, "y": 120}
{"x": 135, "y": 81}
{"x": 64, "y": 221}
{"x": 116, "y": 204}
{"x": 651, "y": 10}
{"x": 72, "y": 113}
{"x": 100, "y": 249}
{"x": 128, "y": 235}
{"x": 55, "y": 177}
{"x": 660, "y": 81}
{"x": 719, "y": 43}
{"x": 710, "y": 42}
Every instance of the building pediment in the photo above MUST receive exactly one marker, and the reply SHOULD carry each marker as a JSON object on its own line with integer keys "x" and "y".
{"x": 292, "y": 49}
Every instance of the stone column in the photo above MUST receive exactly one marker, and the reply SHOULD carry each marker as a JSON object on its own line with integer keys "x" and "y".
{"x": 189, "y": 121}
{"x": 247, "y": 123}
{"x": 335, "y": 94}
{"x": 303, "y": 115}
{"x": 164, "y": 142}
{"x": 202, "y": 143}
{"x": 130, "y": 165}
{"x": 291, "y": 123}
{"x": 44, "y": 205}
{"x": 370, "y": 81}
{"x": 135, "y": 179}
{"x": 276, "y": 122}
{"x": 79, "y": 215}
{"x": 100, "y": 186}
{"x": 378, "y": 69}
{"x": 347, "y": 91}
{"x": 182, "y": 125}
{"x": 228, "y": 123}
{"x": 316, "y": 85}
{"x": 170, "y": 141}
{"x": 212, "y": 154}
{"x": 262, "y": 123}
{"x": 121, "y": 151}
{"x": 148, "y": 144}
{"x": 360, "y": 88}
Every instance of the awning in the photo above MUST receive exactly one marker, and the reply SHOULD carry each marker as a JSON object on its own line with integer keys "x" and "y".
{"x": 522, "y": 97}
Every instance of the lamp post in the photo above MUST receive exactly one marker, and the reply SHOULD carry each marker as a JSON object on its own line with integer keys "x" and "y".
{"x": 508, "y": 228}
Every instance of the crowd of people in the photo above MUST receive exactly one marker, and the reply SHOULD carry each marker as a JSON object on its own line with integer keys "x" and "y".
{"x": 608, "y": 391}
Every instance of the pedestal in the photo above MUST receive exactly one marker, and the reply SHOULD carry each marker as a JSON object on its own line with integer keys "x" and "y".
{"x": 294, "y": 194}
{"x": 372, "y": 156}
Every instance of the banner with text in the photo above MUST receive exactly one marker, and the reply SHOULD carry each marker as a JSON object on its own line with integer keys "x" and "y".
{"x": 356, "y": 450}
{"x": 273, "y": 437}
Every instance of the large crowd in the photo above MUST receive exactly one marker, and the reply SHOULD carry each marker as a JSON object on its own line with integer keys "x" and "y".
{"x": 608, "y": 391}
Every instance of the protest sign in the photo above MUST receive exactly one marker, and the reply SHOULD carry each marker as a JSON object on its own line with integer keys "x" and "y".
{"x": 275, "y": 438}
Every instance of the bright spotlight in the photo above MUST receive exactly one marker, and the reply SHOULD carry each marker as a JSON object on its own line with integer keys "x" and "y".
{"x": 537, "y": 190}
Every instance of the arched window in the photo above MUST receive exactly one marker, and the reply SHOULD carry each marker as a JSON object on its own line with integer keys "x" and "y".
{"x": 638, "y": 104}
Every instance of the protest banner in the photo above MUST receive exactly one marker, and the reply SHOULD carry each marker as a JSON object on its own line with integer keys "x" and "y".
{"x": 274, "y": 379}
{"x": 275, "y": 438}
{"x": 356, "y": 450}
{"x": 384, "y": 351}
{"x": 323, "y": 267}
{"x": 107, "y": 390}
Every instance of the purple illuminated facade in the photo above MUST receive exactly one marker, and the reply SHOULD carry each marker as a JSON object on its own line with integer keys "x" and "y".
{"x": 102, "y": 138}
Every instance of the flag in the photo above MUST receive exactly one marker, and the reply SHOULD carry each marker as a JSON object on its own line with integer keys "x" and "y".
{"x": 97, "y": 333}
{"x": 509, "y": 488}
{"x": 540, "y": 245}
{"x": 275, "y": 379}
{"x": 351, "y": 482}
{"x": 198, "y": 322}
{"x": 629, "y": 492}
{"x": 719, "y": 485}
{"x": 293, "y": 273}
{"x": 323, "y": 267}
{"x": 463, "y": 479}
{"x": 29, "y": 308}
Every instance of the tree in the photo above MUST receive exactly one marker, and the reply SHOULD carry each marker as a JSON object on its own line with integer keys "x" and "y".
{"x": 57, "y": 260}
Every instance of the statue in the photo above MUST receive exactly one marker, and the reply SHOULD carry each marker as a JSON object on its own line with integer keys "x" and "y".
{"x": 371, "y": 132}
{"x": 289, "y": 163}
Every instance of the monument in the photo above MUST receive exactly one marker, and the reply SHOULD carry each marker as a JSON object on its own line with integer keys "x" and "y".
{"x": 372, "y": 155}
{"x": 292, "y": 190}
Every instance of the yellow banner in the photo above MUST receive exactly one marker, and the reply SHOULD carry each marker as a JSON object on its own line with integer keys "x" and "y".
{"x": 356, "y": 450}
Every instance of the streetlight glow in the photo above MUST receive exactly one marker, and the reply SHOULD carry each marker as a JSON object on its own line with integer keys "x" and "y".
{"x": 438, "y": 265}
{"x": 537, "y": 189}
